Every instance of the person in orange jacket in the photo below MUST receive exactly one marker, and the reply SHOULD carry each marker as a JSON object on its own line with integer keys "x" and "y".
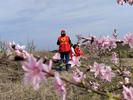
{"x": 64, "y": 43}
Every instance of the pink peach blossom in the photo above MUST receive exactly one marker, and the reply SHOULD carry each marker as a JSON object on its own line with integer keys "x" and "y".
{"x": 115, "y": 58}
{"x": 130, "y": 2}
{"x": 127, "y": 93}
{"x": 120, "y": 2}
{"x": 95, "y": 85}
{"x": 56, "y": 56}
{"x": 102, "y": 71}
{"x": 107, "y": 74}
{"x": 34, "y": 71}
{"x": 78, "y": 76}
{"x": 75, "y": 61}
{"x": 59, "y": 86}
{"x": 128, "y": 39}
{"x": 127, "y": 73}
{"x": 106, "y": 43}
{"x": 97, "y": 69}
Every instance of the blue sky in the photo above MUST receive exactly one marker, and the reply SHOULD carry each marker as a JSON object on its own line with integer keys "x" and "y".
{"x": 42, "y": 20}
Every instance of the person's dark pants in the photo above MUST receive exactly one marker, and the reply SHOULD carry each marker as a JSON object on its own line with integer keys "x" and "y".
{"x": 65, "y": 56}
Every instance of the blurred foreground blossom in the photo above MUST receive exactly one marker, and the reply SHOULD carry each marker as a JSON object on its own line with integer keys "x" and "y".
{"x": 34, "y": 71}
{"x": 120, "y": 2}
{"x": 59, "y": 86}
{"x": 127, "y": 93}
{"x": 130, "y": 2}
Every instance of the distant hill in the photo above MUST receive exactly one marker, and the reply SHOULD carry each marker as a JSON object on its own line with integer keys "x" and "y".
{"x": 54, "y": 51}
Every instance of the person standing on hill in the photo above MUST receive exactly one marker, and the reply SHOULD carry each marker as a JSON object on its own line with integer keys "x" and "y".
{"x": 64, "y": 43}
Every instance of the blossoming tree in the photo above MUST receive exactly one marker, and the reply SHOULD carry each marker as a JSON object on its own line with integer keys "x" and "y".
{"x": 101, "y": 77}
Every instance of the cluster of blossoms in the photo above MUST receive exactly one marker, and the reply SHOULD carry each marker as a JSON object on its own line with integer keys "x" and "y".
{"x": 100, "y": 45}
{"x": 115, "y": 58}
{"x": 17, "y": 49}
{"x": 105, "y": 72}
{"x": 36, "y": 71}
{"x": 126, "y": 73}
{"x": 121, "y": 2}
{"x": 102, "y": 71}
{"x": 95, "y": 85}
{"x": 106, "y": 43}
{"x": 78, "y": 76}
{"x": 128, "y": 39}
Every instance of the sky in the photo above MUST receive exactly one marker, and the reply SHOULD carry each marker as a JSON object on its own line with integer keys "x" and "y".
{"x": 42, "y": 20}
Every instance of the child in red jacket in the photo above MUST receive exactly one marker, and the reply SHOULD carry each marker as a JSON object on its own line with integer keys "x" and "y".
{"x": 78, "y": 51}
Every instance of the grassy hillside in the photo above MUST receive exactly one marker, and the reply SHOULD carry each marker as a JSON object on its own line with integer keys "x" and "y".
{"x": 12, "y": 88}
